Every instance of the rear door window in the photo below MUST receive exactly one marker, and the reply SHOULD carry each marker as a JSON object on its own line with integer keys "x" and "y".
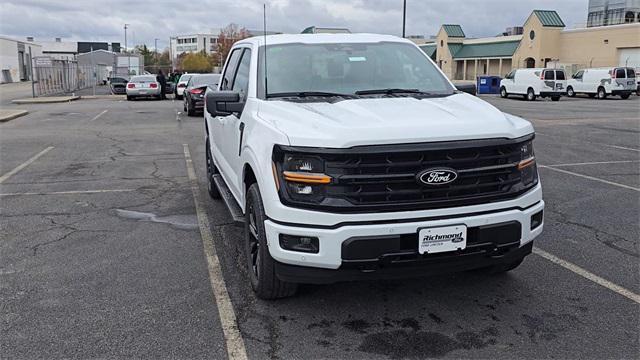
{"x": 548, "y": 75}
{"x": 620, "y": 74}
{"x": 631, "y": 73}
{"x": 560, "y": 75}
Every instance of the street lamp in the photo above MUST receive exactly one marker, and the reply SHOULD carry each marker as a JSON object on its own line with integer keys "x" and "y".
{"x": 126, "y": 26}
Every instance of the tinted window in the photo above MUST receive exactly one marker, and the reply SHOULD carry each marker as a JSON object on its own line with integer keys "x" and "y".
{"x": 560, "y": 75}
{"x": 620, "y": 74}
{"x": 548, "y": 75}
{"x": 202, "y": 80}
{"x": 350, "y": 67}
{"x": 631, "y": 73}
{"x": 578, "y": 75}
{"x": 241, "y": 81}
{"x": 147, "y": 78}
{"x": 230, "y": 71}
{"x": 511, "y": 74}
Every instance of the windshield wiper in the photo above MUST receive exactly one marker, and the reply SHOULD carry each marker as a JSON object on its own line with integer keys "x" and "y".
{"x": 390, "y": 91}
{"x": 303, "y": 94}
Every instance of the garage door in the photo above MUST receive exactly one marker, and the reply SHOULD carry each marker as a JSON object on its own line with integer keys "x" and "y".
{"x": 629, "y": 57}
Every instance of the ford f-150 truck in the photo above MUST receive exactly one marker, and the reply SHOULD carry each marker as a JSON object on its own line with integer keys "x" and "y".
{"x": 352, "y": 157}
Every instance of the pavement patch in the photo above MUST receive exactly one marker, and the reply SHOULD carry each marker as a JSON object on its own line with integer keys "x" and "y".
{"x": 46, "y": 100}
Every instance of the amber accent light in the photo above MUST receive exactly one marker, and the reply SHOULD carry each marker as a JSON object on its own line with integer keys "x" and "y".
{"x": 306, "y": 178}
{"x": 526, "y": 163}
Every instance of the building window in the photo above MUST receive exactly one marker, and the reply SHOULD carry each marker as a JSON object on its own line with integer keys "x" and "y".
{"x": 532, "y": 34}
{"x": 441, "y": 43}
{"x": 629, "y": 17}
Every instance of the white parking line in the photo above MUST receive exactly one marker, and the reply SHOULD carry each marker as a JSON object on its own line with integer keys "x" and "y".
{"x": 99, "y": 115}
{"x": 592, "y": 142}
{"x": 623, "y": 148}
{"x": 35, "y": 157}
{"x": 233, "y": 338}
{"x": 590, "y": 178}
{"x": 588, "y": 275}
{"x": 595, "y": 163}
{"x": 68, "y": 192}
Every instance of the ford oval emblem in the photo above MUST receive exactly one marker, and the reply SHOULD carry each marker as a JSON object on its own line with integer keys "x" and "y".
{"x": 440, "y": 176}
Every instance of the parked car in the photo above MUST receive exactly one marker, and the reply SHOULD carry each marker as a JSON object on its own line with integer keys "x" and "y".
{"x": 143, "y": 86}
{"x": 355, "y": 158}
{"x": 118, "y": 85}
{"x": 182, "y": 84}
{"x": 602, "y": 82}
{"x": 532, "y": 83}
{"x": 195, "y": 90}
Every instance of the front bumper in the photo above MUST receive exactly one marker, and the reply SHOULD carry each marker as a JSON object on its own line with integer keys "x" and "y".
{"x": 332, "y": 238}
{"x": 621, "y": 92}
{"x": 552, "y": 93}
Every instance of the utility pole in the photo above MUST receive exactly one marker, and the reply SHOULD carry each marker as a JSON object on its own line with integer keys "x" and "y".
{"x": 93, "y": 70}
{"x": 126, "y": 26}
{"x": 156, "y": 48}
{"x": 404, "y": 18}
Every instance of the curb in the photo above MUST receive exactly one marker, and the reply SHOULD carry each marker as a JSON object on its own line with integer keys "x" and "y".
{"x": 13, "y": 115}
{"x": 45, "y": 100}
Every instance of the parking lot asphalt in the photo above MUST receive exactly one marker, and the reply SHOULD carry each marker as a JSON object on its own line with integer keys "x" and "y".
{"x": 101, "y": 253}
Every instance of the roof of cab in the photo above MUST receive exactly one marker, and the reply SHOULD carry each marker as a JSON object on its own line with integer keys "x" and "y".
{"x": 321, "y": 39}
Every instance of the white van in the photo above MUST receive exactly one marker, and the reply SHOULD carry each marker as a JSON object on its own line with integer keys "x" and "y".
{"x": 532, "y": 83}
{"x": 602, "y": 82}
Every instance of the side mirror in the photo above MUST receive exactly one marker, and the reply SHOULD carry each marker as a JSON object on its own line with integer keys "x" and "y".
{"x": 467, "y": 88}
{"x": 223, "y": 103}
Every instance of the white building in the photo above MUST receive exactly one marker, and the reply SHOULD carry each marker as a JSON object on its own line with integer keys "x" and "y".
{"x": 15, "y": 59}
{"x": 58, "y": 49}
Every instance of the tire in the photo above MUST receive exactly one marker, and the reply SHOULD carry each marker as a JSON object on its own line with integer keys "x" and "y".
{"x": 602, "y": 94}
{"x": 184, "y": 106}
{"x": 570, "y": 92}
{"x": 531, "y": 96}
{"x": 129, "y": 98}
{"x": 260, "y": 264}
{"x": 190, "y": 110}
{"x": 555, "y": 98}
{"x": 625, "y": 96}
{"x": 212, "y": 189}
{"x": 503, "y": 93}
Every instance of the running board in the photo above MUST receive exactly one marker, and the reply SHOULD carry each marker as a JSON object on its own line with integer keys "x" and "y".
{"x": 229, "y": 200}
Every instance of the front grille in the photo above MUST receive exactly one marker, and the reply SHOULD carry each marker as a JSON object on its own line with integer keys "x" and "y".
{"x": 385, "y": 177}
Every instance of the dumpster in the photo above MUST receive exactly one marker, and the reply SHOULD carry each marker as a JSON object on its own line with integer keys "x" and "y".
{"x": 489, "y": 84}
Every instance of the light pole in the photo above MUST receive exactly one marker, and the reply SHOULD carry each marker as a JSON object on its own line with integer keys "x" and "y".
{"x": 404, "y": 18}
{"x": 126, "y": 26}
{"x": 156, "y": 48}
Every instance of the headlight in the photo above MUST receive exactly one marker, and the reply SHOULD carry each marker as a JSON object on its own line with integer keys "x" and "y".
{"x": 302, "y": 177}
{"x": 527, "y": 164}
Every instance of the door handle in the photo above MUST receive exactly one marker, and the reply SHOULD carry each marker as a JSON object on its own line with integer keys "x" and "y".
{"x": 241, "y": 128}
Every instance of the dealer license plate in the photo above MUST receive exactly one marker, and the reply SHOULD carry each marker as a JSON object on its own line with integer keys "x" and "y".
{"x": 442, "y": 239}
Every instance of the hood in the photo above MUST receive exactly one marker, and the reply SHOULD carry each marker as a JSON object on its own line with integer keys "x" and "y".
{"x": 377, "y": 121}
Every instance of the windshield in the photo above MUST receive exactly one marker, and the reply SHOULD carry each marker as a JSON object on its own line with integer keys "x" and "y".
{"x": 348, "y": 68}
{"x": 202, "y": 80}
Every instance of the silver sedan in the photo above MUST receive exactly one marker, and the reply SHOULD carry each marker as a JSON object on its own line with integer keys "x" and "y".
{"x": 143, "y": 86}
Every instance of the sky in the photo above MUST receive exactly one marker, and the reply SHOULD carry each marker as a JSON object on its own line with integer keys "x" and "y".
{"x": 92, "y": 20}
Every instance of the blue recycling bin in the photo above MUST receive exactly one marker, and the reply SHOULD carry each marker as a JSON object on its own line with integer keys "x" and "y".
{"x": 488, "y": 84}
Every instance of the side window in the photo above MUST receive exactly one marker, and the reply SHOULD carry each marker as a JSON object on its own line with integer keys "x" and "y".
{"x": 560, "y": 75}
{"x": 631, "y": 73}
{"x": 230, "y": 71}
{"x": 241, "y": 81}
{"x": 578, "y": 75}
{"x": 620, "y": 74}
{"x": 511, "y": 75}
{"x": 548, "y": 75}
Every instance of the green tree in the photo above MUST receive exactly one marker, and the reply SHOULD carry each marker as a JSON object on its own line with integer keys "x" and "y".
{"x": 196, "y": 62}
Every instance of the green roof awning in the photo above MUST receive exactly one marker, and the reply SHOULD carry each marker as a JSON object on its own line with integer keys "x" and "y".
{"x": 454, "y": 48}
{"x": 429, "y": 49}
{"x": 453, "y": 30}
{"x": 494, "y": 49}
{"x": 549, "y": 18}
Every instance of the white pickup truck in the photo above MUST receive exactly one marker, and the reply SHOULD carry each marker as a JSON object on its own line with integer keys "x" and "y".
{"x": 354, "y": 158}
